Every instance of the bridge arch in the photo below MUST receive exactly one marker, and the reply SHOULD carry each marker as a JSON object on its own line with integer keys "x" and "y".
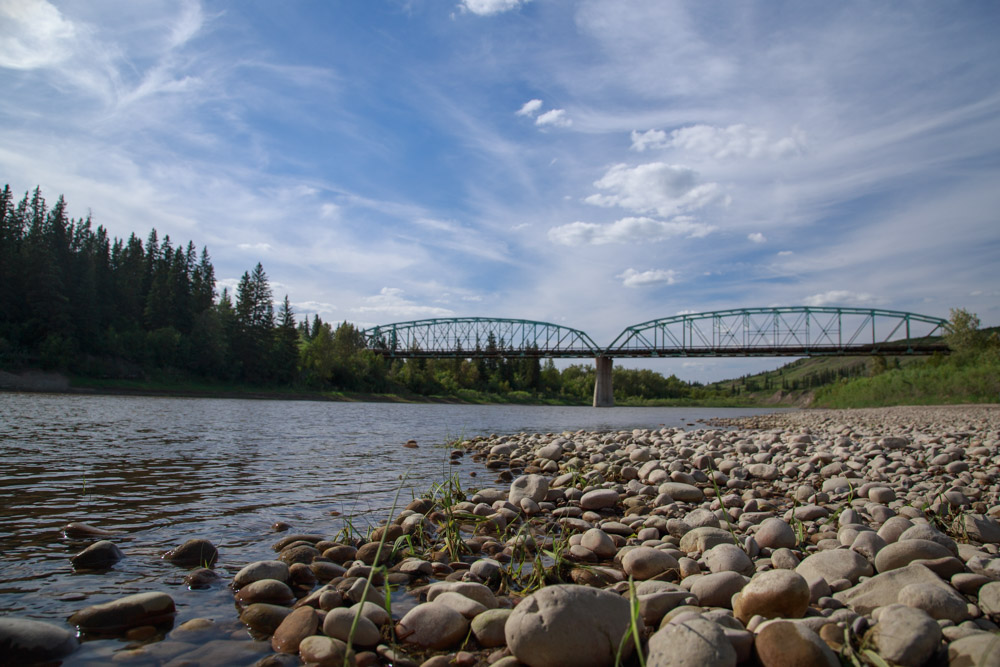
{"x": 783, "y": 331}
{"x": 468, "y": 337}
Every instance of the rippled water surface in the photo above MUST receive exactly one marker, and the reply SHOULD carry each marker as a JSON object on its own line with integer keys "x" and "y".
{"x": 159, "y": 471}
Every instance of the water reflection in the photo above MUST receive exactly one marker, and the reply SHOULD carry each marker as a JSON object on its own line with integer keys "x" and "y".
{"x": 158, "y": 471}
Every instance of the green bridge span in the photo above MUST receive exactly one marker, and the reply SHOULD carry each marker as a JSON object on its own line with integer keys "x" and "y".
{"x": 793, "y": 331}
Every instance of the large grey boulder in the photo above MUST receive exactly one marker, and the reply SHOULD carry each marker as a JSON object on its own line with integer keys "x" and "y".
{"x": 569, "y": 625}
{"x": 24, "y": 641}
{"x": 697, "y": 642}
{"x": 119, "y": 615}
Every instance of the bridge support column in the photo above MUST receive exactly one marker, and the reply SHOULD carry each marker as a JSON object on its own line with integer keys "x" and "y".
{"x": 604, "y": 393}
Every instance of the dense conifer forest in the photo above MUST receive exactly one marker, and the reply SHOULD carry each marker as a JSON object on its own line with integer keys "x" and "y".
{"x": 75, "y": 300}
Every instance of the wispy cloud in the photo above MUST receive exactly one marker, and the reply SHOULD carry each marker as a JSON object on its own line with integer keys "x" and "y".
{"x": 490, "y": 7}
{"x": 555, "y": 118}
{"x": 633, "y": 278}
{"x": 529, "y": 108}
{"x": 391, "y": 303}
{"x": 842, "y": 298}
{"x": 627, "y": 230}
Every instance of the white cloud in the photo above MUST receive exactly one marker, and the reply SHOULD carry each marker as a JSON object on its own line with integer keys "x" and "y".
{"x": 655, "y": 186}
{"x": 842, "y": 298}
{"x": 785, "y": 253}
{"x": 649, "y": 140}
{"x": 305, "y": 308}
{"x": 529, "y": 108}
{"x": 633, "y": 278}
{"x": 33, "y": 34}
{"x": 740, "y": 141}
{"x": 262, "y": 247}
{"x": 627, "y": 230}
{"x": 390, "y": 302}
{"x": 329, "y": 211}
{"x": 555, "y": 118}
{"x": 490, "y": 7}
{"x": 757, "y": 237}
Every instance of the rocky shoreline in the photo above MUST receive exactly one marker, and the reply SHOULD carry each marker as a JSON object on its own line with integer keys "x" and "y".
{"x": 819, "y": 537}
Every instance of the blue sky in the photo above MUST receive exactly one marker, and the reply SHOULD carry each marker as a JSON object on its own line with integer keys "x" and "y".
{"x": 593, "y": 163}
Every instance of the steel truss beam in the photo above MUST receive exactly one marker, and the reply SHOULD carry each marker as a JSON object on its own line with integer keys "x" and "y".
{"x": 478, "y": 337}
{"x": 795, "y": 331}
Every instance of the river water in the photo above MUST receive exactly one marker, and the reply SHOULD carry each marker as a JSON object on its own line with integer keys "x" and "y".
{"x": 160, "y": 471}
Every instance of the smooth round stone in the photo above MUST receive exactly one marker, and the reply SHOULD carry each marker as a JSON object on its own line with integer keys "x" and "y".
{"x": 729, "y": 558}
{"x": 27, "y": 641}
{"x": 774, "y": 533}
{"x": 977, "y": 650}
{"x": 432, "y": 626}
{"x": 643, "y": 563}
{"x": 271, "y": 591}
{"x": 569, "y": 625}
{"x": 78, "y": 530}
{"x": 193, "y": 553}
{"x": 810, "y": 512}
{"x": 486, "y": 569}
{"x": 478, "y": 592}
{"x": 550, "y": 452}
{"x": 704, "y": 538}
{"x": 697, "y": 641}
{"x": 528, "y": 486}
{"x": 98, "y": 556}
{"x": 599, "y": 542}
{"x": 905, "y": 635}
{"x": 302, "y": 553}
{"x": 320, "y": 651}
{"x": 682, "y": 493}
{"x": 599, "y": 499}
{"x": 701, "y": 517}
{"x": 903, "y": 552}
{"x": 882, "y": 495}
{"x": 654, "y": 606}
{"x": 790, "y": 644}
{"x": 465, "y": 606}
{"x": 764, "y": 471}
{"x": 119, "y": 615}
{"x": 892, "y": 528}
{"x": 201, "y": 578}
{"x": 264, "y": 618}
{"x": 717, "y": 590}
{"x": 835, "y": 564}
{"x": 301, "y": 623}
{"x": 262, "y": 569}
{"x": 868, "y": 544}
{"x": 785, "y": 559}
{"x": 923, "y": 531}
{"x": 488, "y": 627}
{"x": 773, "y": 594}
{"x": 338, "y": 623}
{"x": 989, "y": 598}
{"x": 373, "y": 612}
{"x": 939, "y": 602}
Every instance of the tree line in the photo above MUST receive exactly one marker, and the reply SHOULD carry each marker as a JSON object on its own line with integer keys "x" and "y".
{"x": 74, "y": 299}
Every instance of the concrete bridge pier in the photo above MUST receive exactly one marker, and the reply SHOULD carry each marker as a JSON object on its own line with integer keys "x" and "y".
{"x": 604, "y": 392}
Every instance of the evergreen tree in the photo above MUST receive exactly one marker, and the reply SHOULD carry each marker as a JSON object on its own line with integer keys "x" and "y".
{"x": 286, "y": 352}
{"x": 254, "y": 325}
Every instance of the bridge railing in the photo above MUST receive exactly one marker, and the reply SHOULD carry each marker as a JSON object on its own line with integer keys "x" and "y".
{"x": 783, "y": 331}
{"x": 477, "y": 337}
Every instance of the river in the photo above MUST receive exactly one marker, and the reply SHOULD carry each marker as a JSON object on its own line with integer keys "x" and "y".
{"x": 160, "y": 471}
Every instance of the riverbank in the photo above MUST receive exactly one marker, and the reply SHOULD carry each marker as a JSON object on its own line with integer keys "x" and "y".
{"x": 37, "y": 381}
{"x": 862, "y": 531}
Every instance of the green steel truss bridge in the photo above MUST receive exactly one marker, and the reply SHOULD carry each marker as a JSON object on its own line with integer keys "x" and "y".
{"x": 794, "y": 331}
